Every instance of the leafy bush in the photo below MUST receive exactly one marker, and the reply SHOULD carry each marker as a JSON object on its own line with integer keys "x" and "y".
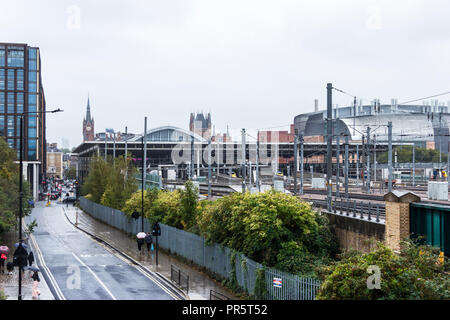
{"x": 413, "y": 274}
{"x": 272, "y": 228}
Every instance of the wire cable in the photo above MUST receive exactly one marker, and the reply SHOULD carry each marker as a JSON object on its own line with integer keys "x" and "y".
{"x": 433, "y": 96}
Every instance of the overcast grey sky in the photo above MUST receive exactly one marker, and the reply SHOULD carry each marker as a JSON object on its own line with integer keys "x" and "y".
{"x": 251, "y": 63}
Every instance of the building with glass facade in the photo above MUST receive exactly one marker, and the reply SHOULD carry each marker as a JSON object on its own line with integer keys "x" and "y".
{"x": 21, "y": 92}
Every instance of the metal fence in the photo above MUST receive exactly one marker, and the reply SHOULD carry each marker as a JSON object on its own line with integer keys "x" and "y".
{"x": 179, "y": 277}
{"x": 214, "y": 257}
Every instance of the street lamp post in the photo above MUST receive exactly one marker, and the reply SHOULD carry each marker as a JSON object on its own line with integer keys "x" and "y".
{"x": 21, "y": 187}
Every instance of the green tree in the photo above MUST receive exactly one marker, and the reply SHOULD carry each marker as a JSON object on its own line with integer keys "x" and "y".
{"x": 97, "y": 180}
{"x": 9, "y": 188}
{"x": 71, "y": 173}
{"x": 189, "y": 202}
{"x": 120, "y": 184}
{"x": 413, "y": 274}
{"x": 134, "y": 203}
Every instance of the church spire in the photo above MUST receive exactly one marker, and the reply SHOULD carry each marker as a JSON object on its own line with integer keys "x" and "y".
{"x": 88, "y": 111}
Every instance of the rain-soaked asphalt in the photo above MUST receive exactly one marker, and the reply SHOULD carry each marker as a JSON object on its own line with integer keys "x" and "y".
{"x": 82, "y": 268}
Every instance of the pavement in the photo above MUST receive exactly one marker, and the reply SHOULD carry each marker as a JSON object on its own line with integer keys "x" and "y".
{"x": 79, "y": 268}
{"x": 199, "y": 283}
{"x": 10, "y": 283}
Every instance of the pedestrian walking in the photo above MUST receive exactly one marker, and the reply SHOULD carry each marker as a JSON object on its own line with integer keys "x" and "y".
{"x": 35, "y": 293}
{"x": 2, "y": 262}
{"x": 148, "y": 240}
{"x": 30, "y": 258}
{"x": 140, "y": 239}
{"x": 10, "y": 267}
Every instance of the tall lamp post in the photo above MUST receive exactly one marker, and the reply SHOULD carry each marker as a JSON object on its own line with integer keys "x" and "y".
{"x": 20, "y": 185}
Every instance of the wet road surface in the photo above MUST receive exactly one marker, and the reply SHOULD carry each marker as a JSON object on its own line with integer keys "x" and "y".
{"x": 82, "y": 268}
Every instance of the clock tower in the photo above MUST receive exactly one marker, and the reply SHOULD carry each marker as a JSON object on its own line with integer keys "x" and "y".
{"x": 88, "y": 125}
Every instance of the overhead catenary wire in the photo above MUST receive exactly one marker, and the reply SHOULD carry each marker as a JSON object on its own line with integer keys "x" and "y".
{"x": 420, "y": 99}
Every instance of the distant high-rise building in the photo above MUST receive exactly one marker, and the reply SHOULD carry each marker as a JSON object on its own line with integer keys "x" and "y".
{"x": 200, "y": 125}
{"x": 88, "y": 125}
{"x": 21, "y": 92}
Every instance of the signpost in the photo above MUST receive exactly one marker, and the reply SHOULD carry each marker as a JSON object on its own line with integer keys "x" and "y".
{"x": 156, "y": 232}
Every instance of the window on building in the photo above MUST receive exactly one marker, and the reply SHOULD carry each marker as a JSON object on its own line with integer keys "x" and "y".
{"x": 2, "y": 57}
{"x": 32, "y": 98}
{"x": 2, "y": 79}
{"x": 32, "y": 53}
{"x": 15, "y": 58}
{"x": 20, "y": 80}
{"x": 11, "y": 79}
{"x": 2, "y": 125}
{"x": 32, "y": 121}
{"x": 32, "y": 65}
{"x": 10, "y": 127}
{"x": 10, "y": 102}
{"x": 2, "y": 102}
{"x": 32, "y": 86}
{"x": 31, "y": 132}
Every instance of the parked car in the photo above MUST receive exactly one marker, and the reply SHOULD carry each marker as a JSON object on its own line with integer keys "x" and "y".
{"x": 69, "y": 199}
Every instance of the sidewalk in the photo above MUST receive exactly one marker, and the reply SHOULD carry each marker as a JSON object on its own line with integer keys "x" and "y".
{"x": 199, "y": 283}
{"x": 10, "y": 283}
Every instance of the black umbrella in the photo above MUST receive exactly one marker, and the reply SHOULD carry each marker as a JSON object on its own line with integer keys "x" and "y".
{"x": 23, "y": 245}
{"x": 33, "y": 268}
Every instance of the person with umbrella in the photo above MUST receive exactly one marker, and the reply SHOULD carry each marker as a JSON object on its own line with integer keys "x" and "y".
{"x": 140, "y": 239}
{"x": 3, "y": 251}
{"x": 148, "y": 240}
{"x": 35, "y": 293}
{"x": 2, "y": 262}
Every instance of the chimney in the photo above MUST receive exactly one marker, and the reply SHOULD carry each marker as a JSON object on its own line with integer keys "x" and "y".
{"x": 316, "y": 105}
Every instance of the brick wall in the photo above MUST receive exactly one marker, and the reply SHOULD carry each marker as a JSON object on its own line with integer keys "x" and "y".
{"x": 356, "y": 234}
{"x": 397, "y": 224}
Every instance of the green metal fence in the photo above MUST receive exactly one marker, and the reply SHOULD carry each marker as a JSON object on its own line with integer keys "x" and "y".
{"x": 431, "y": 221}
{"x": 215, "y": 258}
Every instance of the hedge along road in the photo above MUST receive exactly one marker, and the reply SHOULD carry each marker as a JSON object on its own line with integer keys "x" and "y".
{"x": 80, "y": 268}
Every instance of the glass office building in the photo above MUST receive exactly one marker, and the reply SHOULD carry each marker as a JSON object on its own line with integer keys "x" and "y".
{"x": 21, "y": 92}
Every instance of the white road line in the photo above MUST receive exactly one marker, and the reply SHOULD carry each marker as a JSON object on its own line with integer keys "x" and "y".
{"x": 138, "y": 267}
{"x": 40, "y": 256}
{"x": 95, "y": 276}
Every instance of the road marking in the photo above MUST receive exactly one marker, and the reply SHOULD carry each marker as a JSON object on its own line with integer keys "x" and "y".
{"x": 95, "y": 276}
{"x": 138, "y": 267}
{"x": 44, "y": 265}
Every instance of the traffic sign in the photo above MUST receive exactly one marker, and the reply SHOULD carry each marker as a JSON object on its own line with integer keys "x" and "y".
{"x": 277, "y": 282}
{"x": 156, "y": 230}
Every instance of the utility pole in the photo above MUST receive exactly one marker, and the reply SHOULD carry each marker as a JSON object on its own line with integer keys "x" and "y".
{"x": 145, "y": 154}
{"x": 374, "y": 158}
{"x": 218, "y": 160}
{"x": 390, "y": 156}
{"x": 363, "y": 178}
{"x": 346, "y": 166}
{"x": 209, "y": 168}
{"x": 243, "y": 161}
{"x": 192, "y": 171}
{"x": 301, "y": 164}
{"x": 106, "y": 146}
{"x": 143, "y": 184}
{"x": 126, "y": 149}
{"x": 414, "y": 165}
{"x": 295, "y": 162}
{"x": 357, "y": 164}
{"x": 354, "y": 115}
{"x": 338, "y": 154}
{"x": 368, "y": 159}
{"x": 329, "y": 142}
{"x": 257, "y": 164}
